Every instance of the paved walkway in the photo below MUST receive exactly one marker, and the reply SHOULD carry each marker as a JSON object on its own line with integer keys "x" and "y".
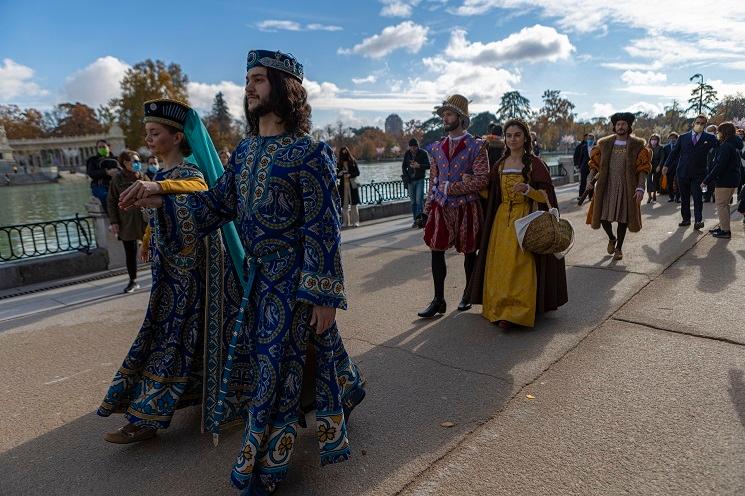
{"x": 637, "y": 386}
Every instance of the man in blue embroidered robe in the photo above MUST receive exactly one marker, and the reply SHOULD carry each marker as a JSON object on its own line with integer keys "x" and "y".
{"x": 280, "y": 188}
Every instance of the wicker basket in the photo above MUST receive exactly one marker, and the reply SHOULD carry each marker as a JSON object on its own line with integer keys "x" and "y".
{"x": 546, "y": 235}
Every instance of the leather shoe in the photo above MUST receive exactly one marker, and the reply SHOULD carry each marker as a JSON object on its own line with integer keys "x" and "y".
{"x": 618, "y": 255}
{"x": 122, "y": 436}
{"x": 611, "y": 246}
{"x": 715, "y": 229}
{"x": 698, "y": 225}
{"x": 437, "y": 306}
{"x": 723, "y": 234}
{"x": 464, "y": 304}
{"x": 685, "y": 223}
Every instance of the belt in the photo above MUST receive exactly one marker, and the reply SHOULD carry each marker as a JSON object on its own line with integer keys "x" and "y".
{"x": 250, "y": 266}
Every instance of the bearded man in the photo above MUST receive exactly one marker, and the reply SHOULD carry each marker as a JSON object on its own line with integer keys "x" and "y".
{"x": 619, "y": 165}
{"x": 459, "y": 170}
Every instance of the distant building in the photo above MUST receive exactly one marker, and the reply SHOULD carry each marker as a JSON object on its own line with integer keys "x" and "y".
{"x": 68, "y": 152}
{"x": 394, "y": 125}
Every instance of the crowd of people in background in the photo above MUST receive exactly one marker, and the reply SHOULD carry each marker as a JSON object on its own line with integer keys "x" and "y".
{"x": 110, "y": 176}
{"x": 704, "y": 164}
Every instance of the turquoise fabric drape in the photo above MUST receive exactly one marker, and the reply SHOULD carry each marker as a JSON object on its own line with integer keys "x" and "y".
{"x": 205, "y": 156}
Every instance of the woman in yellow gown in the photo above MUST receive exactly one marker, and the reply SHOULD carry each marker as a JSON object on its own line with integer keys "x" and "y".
{"x": 512, "y": 284}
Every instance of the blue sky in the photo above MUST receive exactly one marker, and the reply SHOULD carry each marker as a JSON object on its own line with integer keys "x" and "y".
{"x": 366, "y": 59}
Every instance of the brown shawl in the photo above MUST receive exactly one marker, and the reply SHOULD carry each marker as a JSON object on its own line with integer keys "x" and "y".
{"x": 638, "y": 161}
{"x": 552, "y": 279}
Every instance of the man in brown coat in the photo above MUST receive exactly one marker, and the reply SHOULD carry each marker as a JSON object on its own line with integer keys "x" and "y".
{"x": 619, "y": 165}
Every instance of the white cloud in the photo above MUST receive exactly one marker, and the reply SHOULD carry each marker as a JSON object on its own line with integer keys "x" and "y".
{"x": 398, "y": 8}
{"x": 277, "y": 25}
{"x": 323, "y": 27}
{"x": 271, "y": 25}
{"x": 632, "y": 66}
{"x": 603, "y": 109}
{"x": 349, "y": 118}
{"x": 15, "y": 81}
{"x": 365, "y": 80}
{"x": 320, "y": 91}
{"x": 480, "y": 83}
{"x": 608, "y": 109}
{"x": 531, "y": 44}
{"x": 202, "y": 95}
{"x": 685, "y": 32}
{"x": 97, "y": 83}
{"x": 682, "y": 92}
{"x": 639, "y": 77}
{"x": 407, "y": 35}
{"x": 736, "y": 65}
{"x": 646, "y": 107}
{"x": 674, "y": 50}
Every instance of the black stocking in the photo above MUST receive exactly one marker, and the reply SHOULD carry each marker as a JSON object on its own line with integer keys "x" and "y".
{"x": 608, "y": 228}
{"x": 621, "y": 235}
{"x": 439, "y": 272}
{"x": 468, "y": 264}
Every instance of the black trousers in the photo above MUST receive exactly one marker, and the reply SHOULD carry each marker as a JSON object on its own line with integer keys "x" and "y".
{"x": 584, "y": 172}
{"x": 691, "y": 186}
{"x": 672, "y": 187}
{"x": 130, "y": 254}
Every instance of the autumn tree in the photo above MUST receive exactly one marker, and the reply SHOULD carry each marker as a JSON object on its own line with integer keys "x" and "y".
{"x": 412, "y": 129}
{"x": 22, "y": 123}
{"x": 513, "y": 106}
{"x": 73, "y": 119}
{"x": 554, "y": 118}
{"x": 703, "y": 96}
{"x": 145, "y": 81}
{"x": 674, "y": 117}
{"x": 730, "y": 107}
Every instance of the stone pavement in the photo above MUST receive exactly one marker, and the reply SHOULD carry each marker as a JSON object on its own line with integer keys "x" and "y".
{"x": 636, "y": 386}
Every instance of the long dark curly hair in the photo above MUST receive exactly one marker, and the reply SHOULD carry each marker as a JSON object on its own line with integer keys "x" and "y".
{"x": 288, "y": 99}
{"x": 527, "y": 158}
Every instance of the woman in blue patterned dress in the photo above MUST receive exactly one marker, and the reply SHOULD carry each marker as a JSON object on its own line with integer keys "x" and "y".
{"x": 164, "y": 368}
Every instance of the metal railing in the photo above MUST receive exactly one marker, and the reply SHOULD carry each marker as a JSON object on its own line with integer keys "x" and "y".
{"x": 557, "y": 170}
{"x": 376, "y": 193}
{"x": 46, "y": 238}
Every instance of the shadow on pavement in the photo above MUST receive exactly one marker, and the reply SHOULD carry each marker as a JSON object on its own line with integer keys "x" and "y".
{"x": 459, "y": 368}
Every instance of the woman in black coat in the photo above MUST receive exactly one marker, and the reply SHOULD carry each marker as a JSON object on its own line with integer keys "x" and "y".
{"x": 347, "y": 172}
{"x": 725, "y": 172}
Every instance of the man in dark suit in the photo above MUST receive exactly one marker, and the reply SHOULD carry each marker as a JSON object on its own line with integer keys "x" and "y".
{"x": 672, "y": 188}
{"x": 582, "y": 161}
{"x": 688, "y": 160}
